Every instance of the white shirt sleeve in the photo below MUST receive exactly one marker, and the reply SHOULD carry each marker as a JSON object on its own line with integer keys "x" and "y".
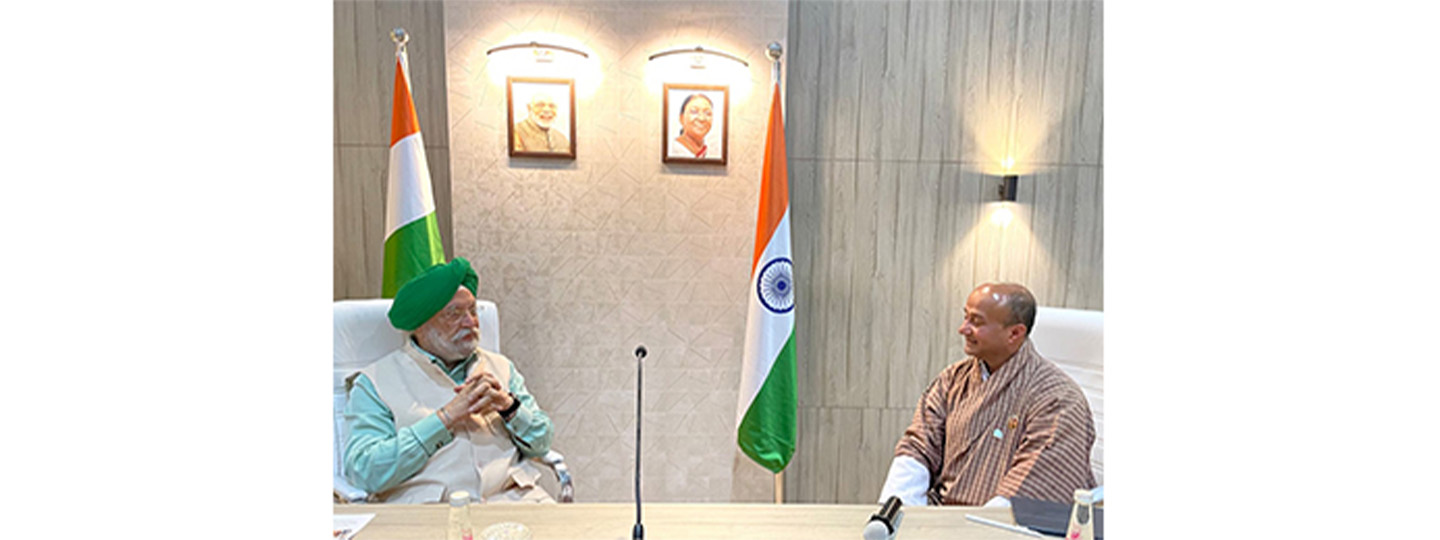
{"x": 908, "y": 479}
{"x": 997, "y": 502}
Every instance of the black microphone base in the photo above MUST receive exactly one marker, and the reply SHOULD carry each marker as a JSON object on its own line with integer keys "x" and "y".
{"x": 639, "y": 533}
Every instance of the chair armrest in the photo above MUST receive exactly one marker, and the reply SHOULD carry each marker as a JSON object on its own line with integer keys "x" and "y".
{"x": 346, "y": 493}
{"x": 556, "y": 462}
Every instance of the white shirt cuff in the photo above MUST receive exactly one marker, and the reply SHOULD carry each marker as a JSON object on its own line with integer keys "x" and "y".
{"x": 997, "y": 502}
{"x": 908, "y": 479}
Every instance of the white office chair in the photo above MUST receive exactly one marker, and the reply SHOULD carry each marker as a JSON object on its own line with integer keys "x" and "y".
{"x": 1075, "y": 340}
{"x": 363, "y": 334}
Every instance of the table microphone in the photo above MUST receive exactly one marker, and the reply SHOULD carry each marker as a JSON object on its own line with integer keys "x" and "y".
{"x": 884, "y": 523}
{"x": 639, "y": 532}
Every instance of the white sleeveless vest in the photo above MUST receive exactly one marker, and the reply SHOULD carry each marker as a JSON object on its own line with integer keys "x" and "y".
{"x": 481, "y": 459}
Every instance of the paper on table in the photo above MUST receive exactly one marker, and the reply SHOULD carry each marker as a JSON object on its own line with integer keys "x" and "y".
{"x": 351, "y": 523}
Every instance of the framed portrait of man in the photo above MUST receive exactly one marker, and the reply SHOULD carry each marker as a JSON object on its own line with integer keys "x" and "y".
{"x": 696, "y": 126}
{"x": 540, "y": 117}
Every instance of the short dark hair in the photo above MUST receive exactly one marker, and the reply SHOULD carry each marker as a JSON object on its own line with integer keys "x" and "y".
{"x": 693, "y": 96}
{"x": 1018, "y": 300}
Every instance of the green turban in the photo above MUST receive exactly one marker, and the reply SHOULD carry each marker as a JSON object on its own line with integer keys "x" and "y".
{"x": 428, "y": 293}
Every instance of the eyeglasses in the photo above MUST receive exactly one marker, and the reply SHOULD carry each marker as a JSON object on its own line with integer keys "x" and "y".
{"x": 457, "y": 313}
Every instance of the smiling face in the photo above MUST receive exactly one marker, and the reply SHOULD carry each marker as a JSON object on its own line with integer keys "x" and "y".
{"x": 542, "y": 110}
{"x": 985, "y": 329}
{"x": 695, "y": 116}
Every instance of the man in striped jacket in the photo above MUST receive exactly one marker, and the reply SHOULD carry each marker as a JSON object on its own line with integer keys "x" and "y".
{"x": 1001, "y": 423}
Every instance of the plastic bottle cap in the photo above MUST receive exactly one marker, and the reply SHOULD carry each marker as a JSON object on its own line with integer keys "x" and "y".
{"x": 460, "y": 498}
{"x": 1083, "y": 496}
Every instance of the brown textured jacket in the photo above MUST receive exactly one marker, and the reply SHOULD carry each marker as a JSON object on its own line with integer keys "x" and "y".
{"x": 1026, "y": 431}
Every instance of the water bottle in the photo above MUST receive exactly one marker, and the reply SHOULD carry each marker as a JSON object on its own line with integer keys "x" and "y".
{"x": 460, "y": 527}
{"x": 1082, "y": 522}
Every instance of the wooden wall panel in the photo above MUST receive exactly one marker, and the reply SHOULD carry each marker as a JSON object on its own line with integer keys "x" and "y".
{"x": 933, "y": 59}
{"x": 860, "y": 379}
{"x": 802, "y": 66}
{"x": 871, "y": 51}
{"x": 804, "y": 237}
{"x": 844, "y": 114}
{"x": 1057, "y": 74}
{"x": 839, "y": 237}
{"x": 914, "y": 104}
{"x": 891, "y": 291}
{"x": 1090, "y": 140}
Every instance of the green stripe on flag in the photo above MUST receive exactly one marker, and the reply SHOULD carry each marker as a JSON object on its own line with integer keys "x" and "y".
{"x": 411, "y": 249}
{"x": 767, "y": 434}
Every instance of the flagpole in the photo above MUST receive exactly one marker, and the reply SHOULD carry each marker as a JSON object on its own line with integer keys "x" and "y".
{"x": 775, "y": 51}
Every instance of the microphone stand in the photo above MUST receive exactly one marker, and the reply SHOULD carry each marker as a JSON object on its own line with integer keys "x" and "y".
{"x": 639, "y": 532}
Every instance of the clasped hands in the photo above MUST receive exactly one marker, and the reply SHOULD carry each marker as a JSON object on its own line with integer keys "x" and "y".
{"x": 481, "y": 393}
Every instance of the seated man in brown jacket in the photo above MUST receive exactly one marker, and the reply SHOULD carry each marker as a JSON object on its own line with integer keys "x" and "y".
{"x": 1001, "y": 423}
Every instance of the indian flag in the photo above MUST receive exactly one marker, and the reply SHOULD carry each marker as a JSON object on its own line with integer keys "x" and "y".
{"x": 766, "y": 414}
{"x": 412, "y": 233}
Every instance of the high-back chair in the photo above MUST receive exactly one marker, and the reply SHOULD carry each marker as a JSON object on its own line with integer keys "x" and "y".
{"x": 363, "y": 334}
{"x": 1075, "y": 340}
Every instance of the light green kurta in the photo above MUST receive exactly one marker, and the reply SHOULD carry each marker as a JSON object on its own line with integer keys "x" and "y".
{"x": 380, "y": 455}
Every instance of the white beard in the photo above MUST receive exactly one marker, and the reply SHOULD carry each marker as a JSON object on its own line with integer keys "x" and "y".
{"x": 458, "y": 346}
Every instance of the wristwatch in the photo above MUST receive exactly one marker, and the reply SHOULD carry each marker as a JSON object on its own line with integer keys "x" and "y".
{"x": 514, "y": 406}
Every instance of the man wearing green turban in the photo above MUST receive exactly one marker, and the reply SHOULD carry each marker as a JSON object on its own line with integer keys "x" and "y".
{"x": 440, "y": 414}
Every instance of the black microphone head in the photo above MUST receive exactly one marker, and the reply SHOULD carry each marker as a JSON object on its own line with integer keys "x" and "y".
{"x": 640, "y": 352}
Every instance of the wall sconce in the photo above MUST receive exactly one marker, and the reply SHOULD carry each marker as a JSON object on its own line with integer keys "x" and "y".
{"x": 1009, "y": 189}
{"x": 544, "y": 52}
{"x": 698, "y": 53}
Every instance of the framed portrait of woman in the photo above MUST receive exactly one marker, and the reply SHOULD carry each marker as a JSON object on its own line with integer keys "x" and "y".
{"x": 540, "y": 116}
{"x": 696, "y": 124}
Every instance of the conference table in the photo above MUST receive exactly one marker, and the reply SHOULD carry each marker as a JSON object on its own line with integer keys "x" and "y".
{"x": 666, "y": 521}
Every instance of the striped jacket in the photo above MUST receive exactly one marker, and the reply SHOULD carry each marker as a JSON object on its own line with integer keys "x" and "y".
{"x": 1026, "y": 431}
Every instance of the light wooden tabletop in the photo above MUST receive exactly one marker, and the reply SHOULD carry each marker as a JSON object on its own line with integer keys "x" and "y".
{"x": 681, "y": 521}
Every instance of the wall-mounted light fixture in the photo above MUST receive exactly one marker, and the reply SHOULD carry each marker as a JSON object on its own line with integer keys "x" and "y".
{"x": 1009, "y": 191}
{"x": 543, "y": 52}
{"x": 544, "y": 55}
{"x": 698, "y": 54}
{"x": 1009, "y": 187}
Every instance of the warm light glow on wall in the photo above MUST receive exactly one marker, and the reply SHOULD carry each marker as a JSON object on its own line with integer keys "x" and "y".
{"x": 1014, "y": 131}
{"x": 524, "y": 62}
{"x": 712, "y": 71}
{"x": 1007, "y": 141}
{"x": 1001, "y": 214}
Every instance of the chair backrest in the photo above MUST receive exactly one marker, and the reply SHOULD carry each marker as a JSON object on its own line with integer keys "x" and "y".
{"x": 1075, "y": 340}
{"x": 363, "y": 335}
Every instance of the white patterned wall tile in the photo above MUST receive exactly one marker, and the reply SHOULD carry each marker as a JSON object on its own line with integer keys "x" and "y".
{"x": 587, "y": 258}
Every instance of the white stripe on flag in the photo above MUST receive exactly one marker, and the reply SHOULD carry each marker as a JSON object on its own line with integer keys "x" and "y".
{"x": 410, "y": 197}
{"x": 765, "y": 332}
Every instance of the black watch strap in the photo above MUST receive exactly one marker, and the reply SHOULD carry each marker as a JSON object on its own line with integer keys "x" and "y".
{"x": 514, "y": 406}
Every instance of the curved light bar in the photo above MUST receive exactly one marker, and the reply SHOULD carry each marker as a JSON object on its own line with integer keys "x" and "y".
{"x": 701, "y": 50}
{"x": 536, "y": 45}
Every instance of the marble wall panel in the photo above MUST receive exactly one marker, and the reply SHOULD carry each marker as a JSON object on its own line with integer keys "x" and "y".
{"x": 590, "y": 257}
